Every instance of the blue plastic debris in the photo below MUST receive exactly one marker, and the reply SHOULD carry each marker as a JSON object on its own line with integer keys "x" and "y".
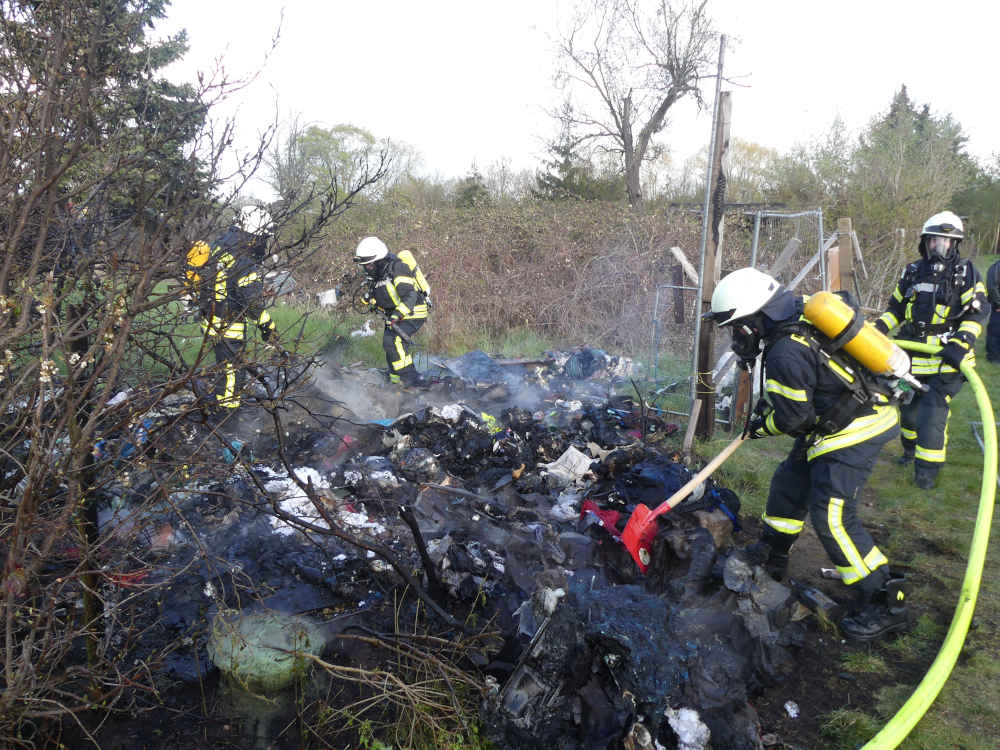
{"x": 235, "y": 449}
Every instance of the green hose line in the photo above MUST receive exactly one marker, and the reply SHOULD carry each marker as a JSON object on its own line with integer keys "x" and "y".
{"x": 896, "y": 730}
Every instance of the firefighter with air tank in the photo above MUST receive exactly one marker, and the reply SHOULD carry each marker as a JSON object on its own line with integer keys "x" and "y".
{"x": 398, "y": 289}
{"x": 940, "y": 300}
{"x": 832, "y": 383}
{"x": 228, "y": 282}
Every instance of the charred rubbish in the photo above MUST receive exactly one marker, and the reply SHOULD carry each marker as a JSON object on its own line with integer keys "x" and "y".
{"x": 504, "y": 494}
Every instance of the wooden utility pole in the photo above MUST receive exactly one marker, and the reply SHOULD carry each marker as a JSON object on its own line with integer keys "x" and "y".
{"x": 845, "y": 257}
{"x": 705, "y": 387}
{"x": 741, "y": 400}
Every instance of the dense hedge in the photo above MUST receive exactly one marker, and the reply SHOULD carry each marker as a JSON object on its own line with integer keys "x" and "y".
{"x": 582, "y": 273}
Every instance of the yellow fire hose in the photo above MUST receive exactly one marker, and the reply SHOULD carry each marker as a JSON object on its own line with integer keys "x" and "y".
{"x": 899, "y": 726}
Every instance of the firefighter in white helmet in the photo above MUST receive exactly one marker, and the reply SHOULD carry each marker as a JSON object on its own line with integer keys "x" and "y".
{"x": 397, "y": 287}
{"x": 839, "y": 421}
{"x": 940, "y": 300}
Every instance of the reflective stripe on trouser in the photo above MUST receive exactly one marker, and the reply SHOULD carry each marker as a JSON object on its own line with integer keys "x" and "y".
{"x": 827, "y": 490}
{"x": 924, "y": 421}
{"x": 218, "y": 327}
{"x": 397, "y": 352}
{"x": 230, "y": 379}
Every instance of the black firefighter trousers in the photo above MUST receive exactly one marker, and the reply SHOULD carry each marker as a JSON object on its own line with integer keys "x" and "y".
{"x": 993, "y": 336}
{"x": 399, "y": 352}
{"x": 827, "y": 489}
{"x": 924, "y": 421}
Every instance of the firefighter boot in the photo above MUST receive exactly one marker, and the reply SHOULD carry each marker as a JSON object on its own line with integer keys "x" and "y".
{"x": 881, "y": 612}
{"x": 924, "y": 476}
{"x": 413, "y": 379}
{"x": 907, "y": 458}
{"x": 771, "y": 552}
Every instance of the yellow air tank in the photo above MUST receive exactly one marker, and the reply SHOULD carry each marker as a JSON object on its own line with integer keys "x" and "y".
{"x": 873, "y": 349}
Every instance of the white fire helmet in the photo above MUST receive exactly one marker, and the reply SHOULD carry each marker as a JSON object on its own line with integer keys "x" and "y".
{"x": 742, "y": 293}
{"x": 369, "y": 250}
{"x": 944, "y": 224}
{"x": 940, "y": 236}
{"x": 255, "y": 219}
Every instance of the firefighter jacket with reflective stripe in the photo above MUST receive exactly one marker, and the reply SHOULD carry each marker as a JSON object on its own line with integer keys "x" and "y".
{"x": 804, "y": 388}
{"x": 231, "y": 292}
{"x": 397, "y": 291}
{"x": 934, "y": 302}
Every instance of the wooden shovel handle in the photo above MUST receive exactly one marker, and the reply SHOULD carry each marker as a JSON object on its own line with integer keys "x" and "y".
{"x": 698, "y": 478}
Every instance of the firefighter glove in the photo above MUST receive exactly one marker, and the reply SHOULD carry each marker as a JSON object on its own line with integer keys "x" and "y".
{"x": 756, "y": 427}
{"x": 881, "y": 326}
{"x": 395, "y": 317}
{"x": 953, "y": 353}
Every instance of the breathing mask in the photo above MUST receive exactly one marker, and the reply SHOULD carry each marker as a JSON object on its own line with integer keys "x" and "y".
{"x": 939, "y": 247}
{"x": 747, "y": 339}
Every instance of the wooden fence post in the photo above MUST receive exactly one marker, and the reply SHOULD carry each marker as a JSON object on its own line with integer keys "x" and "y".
{"x": 845, "y": 258}
{"x": 705, "y": 387}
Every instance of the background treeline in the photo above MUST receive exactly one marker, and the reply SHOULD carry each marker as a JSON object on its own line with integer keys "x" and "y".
{"x": 561, "y": 252}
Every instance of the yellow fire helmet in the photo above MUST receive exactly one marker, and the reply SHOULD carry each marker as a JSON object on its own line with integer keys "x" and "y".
{"x": 197, "y": 257}
{"x": 198, "y": 254}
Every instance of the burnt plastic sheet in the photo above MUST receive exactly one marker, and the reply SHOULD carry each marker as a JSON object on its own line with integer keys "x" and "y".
{"x": 478, "y": 366}
{"x": 597, "y": 648}
{"x": 609, "y": 654}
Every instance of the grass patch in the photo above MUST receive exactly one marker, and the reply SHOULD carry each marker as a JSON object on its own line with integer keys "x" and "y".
{"x": 916, "y": 643}
{"x": 747, "y": 471}
{"x": 846, "y": 729}
{"x": 517, "y": 343}
{"x": 864, "y": 662}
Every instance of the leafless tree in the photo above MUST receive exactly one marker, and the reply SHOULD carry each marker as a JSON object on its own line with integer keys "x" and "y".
{"x": 629, "y": 62}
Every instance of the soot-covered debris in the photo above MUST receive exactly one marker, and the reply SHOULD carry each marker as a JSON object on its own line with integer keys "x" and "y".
{"x": 519, "y": 484}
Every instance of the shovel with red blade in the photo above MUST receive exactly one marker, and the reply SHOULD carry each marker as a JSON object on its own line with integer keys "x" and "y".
{"x": 640, "y": 529}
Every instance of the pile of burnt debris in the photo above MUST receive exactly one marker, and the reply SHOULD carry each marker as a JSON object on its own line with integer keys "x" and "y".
{"x": 504, "y": 487}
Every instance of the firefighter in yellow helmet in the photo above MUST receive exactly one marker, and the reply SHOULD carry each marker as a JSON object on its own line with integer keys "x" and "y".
{"x": 228, "y": 283}
{"x": 396, "y": 287}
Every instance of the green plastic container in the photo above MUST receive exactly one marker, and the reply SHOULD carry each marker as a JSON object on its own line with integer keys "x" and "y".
{"x": 254, "y": 649}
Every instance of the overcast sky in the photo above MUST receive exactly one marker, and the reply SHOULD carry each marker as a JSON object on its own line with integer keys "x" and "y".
{"x": 469, "y": 81}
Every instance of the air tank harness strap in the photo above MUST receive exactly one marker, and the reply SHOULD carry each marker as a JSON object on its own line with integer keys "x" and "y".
{"x": 859, "y": 393}
{"x": 760, "y": 390}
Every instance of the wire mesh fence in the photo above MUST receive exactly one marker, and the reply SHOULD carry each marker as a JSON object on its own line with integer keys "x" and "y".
{"x": 788, "y": 245}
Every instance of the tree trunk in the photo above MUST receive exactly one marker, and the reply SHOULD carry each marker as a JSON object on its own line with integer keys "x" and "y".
{"x": 632, "y": 185}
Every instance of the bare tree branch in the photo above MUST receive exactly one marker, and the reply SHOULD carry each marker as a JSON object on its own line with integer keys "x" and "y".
{"x": 630, "y": 62}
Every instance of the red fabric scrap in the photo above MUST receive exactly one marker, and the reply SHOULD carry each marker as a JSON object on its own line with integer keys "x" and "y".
{"x": 608, "y": 519}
